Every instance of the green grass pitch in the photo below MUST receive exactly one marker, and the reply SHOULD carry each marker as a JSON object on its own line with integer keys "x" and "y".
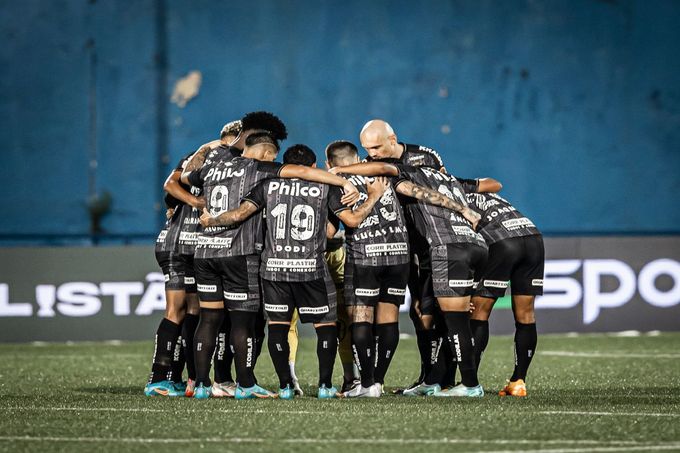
{"x": 598, "y": 393}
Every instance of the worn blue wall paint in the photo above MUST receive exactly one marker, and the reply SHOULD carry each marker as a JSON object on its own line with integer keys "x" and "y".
{"x": 574, "y": 105}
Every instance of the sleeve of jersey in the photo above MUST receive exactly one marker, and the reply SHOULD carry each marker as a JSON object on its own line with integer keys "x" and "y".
{"x": 404, "y": 171}
{"x": 334, "y": 203}
{"x": 182, "y": 162}
{"x": 256, "y": 195}
{"x": 269, "y": 169}
{"x": 437, "y": 158}
{"x": 195, "y": 178}
{"x": 469, "y": 185}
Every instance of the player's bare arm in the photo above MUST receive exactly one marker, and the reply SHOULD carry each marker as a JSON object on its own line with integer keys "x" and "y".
{"x": 489, "y": 185}
{"x": 195, "y": 162}
{"x": 376, "y": 189}
{"x": 229, "y": 218}
{"x": 173, "y": 187}
{"x": 351, "y": 194}
{"x": 438, "y": 199}
{"x": 368, "y": 169}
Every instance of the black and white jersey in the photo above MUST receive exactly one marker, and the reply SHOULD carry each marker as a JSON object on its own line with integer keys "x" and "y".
{"x": 438, "y": 225}
{"x": 500, "y": 220}
{"x": 169, "y": 237}
{"x": 190, "y": 221}
{"x": 225, "y": 182}
{"x": 296, "y": 214}
{"x": 418, "y": 156}
{"x": 382, "y": 238}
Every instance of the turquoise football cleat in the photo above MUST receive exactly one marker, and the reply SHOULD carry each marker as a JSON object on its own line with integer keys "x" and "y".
{"x": 327, "y": 393}
{"x": 245, "y": 393}
{"x": 162, "y": 388}
{"x": 202, "y": 392}
{"x": 181, "y": 387}
{"x": 461, "y": 390}
{"x": 287, "y": 394}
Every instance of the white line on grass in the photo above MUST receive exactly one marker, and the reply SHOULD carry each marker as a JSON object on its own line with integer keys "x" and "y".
{"x": 615, "y": 414}
{"x": 147, "y": 440}
{"x": 648, "y": 447}
{"x": 608, "y": 355}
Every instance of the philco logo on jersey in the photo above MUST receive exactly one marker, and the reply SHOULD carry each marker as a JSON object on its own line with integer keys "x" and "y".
{"x": 215, "y": 174}
{"x": 294, "y": 188}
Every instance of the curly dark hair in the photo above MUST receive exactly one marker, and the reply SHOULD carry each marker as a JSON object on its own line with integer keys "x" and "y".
{"x": 265, "y": 121}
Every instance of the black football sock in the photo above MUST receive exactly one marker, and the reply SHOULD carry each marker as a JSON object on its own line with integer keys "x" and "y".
{"x": 279, "y": 350}
{"x": 388, "y": 339}
{"x": 437, "y": 358}
{"x": 178, "y": 360}
{"x": 423, "y": 338}
{"x": 188, "y": 331}
{"x": 243, "y": 342}
{"x": 165, "y": 341}
{"x": 223, "y": 354}
{"x": 525, "y": 347}
{"x": 462, "y": 347}
{"x": 363, "y": 346}
{"x": 204, "y": 342}
{"x": 260, "y": 325}
{"x": 326, "y": 350}
{"x": 480, "y": 332}
{"x": 449, "y": 378}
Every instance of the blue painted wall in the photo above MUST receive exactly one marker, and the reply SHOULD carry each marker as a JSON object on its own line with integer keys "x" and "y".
{"x": 574, "y": 105}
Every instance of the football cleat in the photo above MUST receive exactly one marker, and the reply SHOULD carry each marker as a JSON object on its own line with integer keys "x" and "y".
{"x": 287, "y": 394}
{"x": 181, "y": 387}
{"x": 202, "y": 392}
{"x": 296, "y": 388}
{"x": 162, "y": 388}
{"x": 223, "y": 390}
{"x": 372, "y": 391}
{"x": 461, "y": 390}
{"x": 244, "y": 393}
{"x": 422, "y": 389}
{"x": 191, "y": 385}
{"x": 514, "y": 388}
{"x": 400, "y": 391}
{"x": 349, "y": 385}
{"x": 327, "y": 393}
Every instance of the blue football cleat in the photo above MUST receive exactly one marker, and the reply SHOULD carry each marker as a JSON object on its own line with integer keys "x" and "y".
{"x": 181, "y": 387}
{"x": 461, "y": 390}
{"x": 245, "y": 393}
{"x": 327, "y": 393}
{"x": 162, "y": 388}
{"x": 287, "y": 394}
{"x": 202, "y": 392}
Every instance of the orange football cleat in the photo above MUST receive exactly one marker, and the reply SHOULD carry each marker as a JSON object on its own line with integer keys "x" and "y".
{"x": 514, "y": 388}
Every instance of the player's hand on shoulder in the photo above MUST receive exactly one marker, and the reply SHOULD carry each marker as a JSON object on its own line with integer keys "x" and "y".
{"x": 334, "y": 170}
{"x": 351, "y": 194}
{"x": 169, "y": 213}
{"x": 378, "y": 186}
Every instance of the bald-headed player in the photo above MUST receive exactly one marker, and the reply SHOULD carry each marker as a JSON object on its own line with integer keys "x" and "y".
{"x": 380, "y": 141}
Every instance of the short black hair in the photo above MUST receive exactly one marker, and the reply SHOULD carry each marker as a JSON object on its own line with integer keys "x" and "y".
{"x": 299, "y": 154}
{"x": 261, "y": 137}
{"x": 265, "y": 121}
{"x": 340, "y": 149}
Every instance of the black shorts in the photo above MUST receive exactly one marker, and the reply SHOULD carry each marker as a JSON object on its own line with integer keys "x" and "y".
{"x": 368, "y": 285}
{"x": 234, "y": 279}
{"x": 519, "y": 261}
{"x": 315, "y": 300}
{"x": 178, "y": 271}
{"x": 453, "y": 270}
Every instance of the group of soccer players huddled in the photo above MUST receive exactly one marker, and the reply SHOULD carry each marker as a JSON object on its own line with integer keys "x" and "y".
{"x": 252, "y": 245}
